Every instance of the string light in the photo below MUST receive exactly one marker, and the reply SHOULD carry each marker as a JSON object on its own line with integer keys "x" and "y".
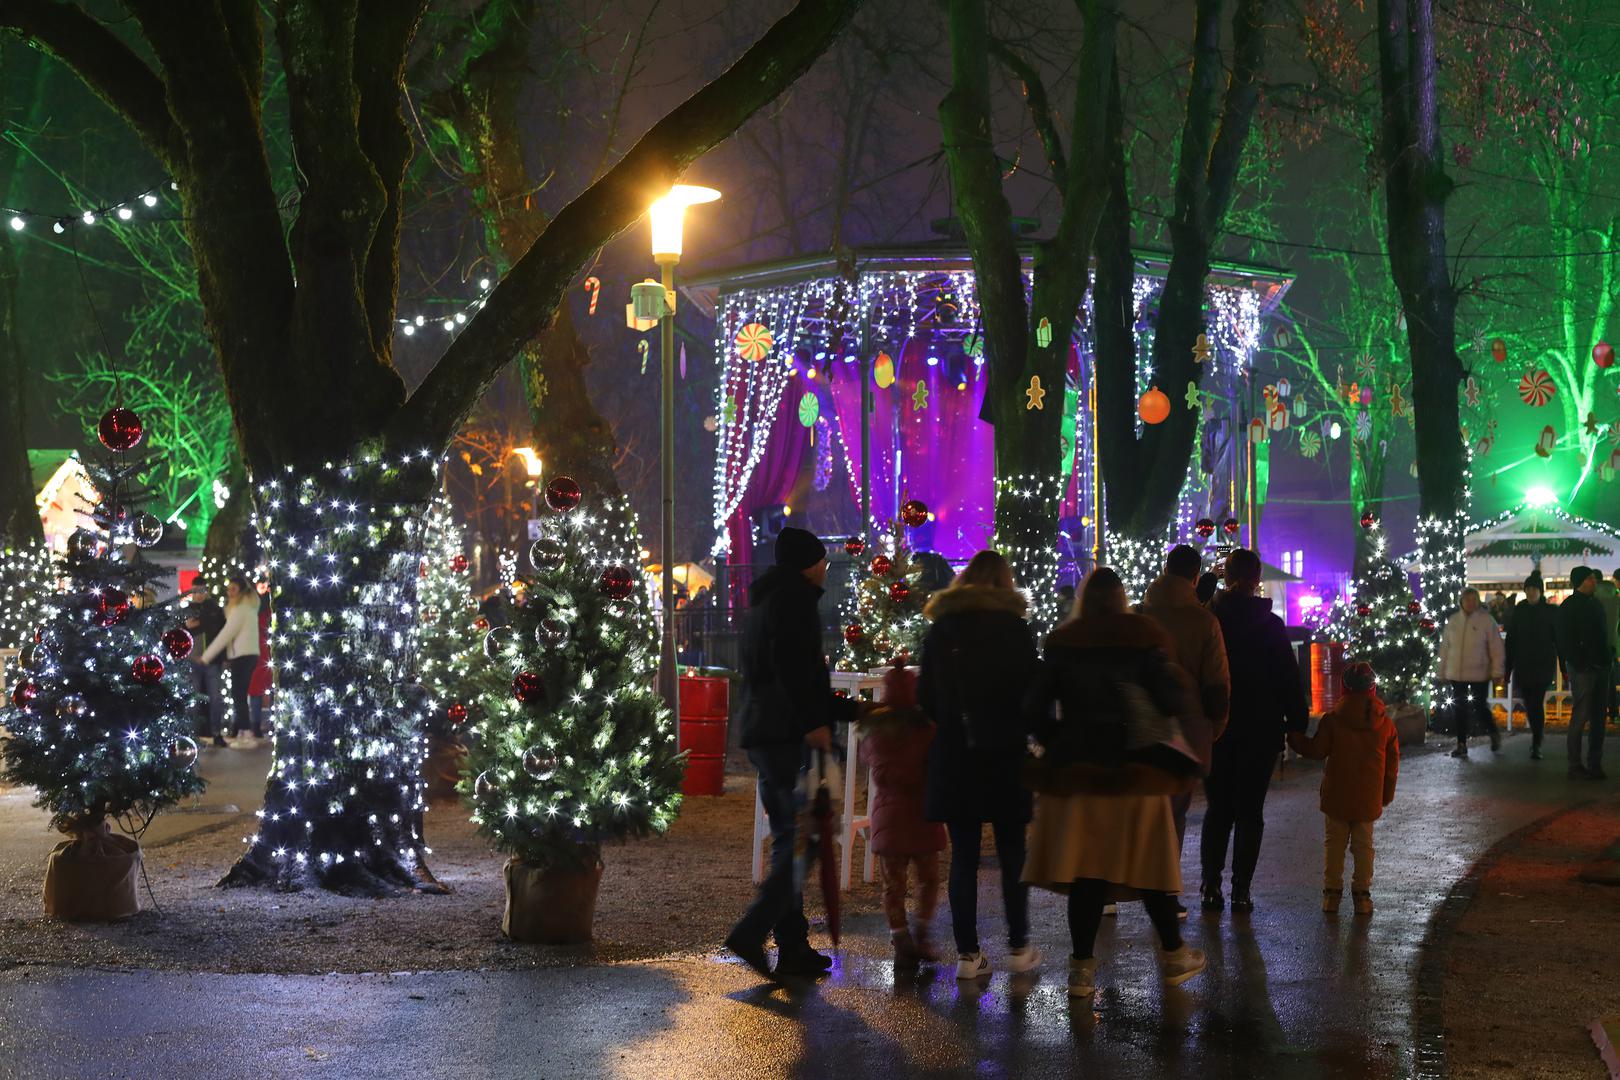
{"x": 20, "y": 218}
{"x": 449, "y": 322}
{"x": 448, "y": 639}
{"x": 1390, "y": 635}
{"x": 890, "y": 631}
{"x": 25, "y": 586}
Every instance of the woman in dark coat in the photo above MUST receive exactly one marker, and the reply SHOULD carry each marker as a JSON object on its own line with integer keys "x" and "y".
{"x": 977, "y": 659}
{"x": 1532, "y": 655}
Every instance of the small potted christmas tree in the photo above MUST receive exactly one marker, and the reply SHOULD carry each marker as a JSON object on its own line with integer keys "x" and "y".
{"x": 569, "y": 744}
{"x": 882, "y": 617}
{"x": 448, "y": 644}
{"x": 99, "y": 722}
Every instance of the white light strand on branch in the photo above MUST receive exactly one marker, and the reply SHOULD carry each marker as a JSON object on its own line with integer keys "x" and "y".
{"x": 19, "y": 219}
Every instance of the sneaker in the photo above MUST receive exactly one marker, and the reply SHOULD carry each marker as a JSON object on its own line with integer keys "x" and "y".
{"x": 1179, "y": 965}
{"x": 973, "y": 965}
{"x": 1082, "y": 977}
{"x": 1577, "y": 771}
{"x": 750, "y": 954}
{"x": 1210, "y": 898}
{"x": 1023, "y": 958}
{"x": 1461, "y": 751}
{"x": 1110, "y": 909}
{"x": 1596, "y": 773}
{"x": 1181, "y": 909}
{"x": 1364, "y": 904}
{"x": 807, "y": 962}
{"x": 1330, "y": 900}
{"x": 1242, "y": 902}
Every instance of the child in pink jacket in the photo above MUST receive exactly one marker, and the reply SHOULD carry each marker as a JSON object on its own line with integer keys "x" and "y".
{"x": 895, "y": 742}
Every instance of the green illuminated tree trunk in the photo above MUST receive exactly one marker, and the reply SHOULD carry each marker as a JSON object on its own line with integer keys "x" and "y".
{"x": 303, "y": 320}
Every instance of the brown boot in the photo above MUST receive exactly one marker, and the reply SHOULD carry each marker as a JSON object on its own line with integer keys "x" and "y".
{"x": 924, "y": 945}
{"x": 1330, "y": 900}
{"x": 1364, "y": 904}
{"x": 906, "y": 953}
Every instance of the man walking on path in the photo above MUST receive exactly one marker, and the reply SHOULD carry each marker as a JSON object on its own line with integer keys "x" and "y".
{"x": 788, "y": 704}
{"x": 1471, "y": 657}
{"x": 1172, "y": 602}
{"x": 1267, "y": 700}
{"x": 1583, "y": 645}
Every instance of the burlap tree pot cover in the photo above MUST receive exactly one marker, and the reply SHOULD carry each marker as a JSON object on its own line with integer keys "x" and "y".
{"x": 93, "y": 877}
{"x": 550, "y": 905}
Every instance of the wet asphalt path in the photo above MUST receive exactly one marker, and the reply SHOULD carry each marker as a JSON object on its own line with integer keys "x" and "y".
{"x": 1289, "y": 992}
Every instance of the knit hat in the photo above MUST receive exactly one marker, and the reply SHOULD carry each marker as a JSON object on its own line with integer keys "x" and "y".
{"x": 1534, "y": 581}
{"x": 798, "y": 549}
{"x": 1359, "y": 677}
{"x": 1578, "y": 575}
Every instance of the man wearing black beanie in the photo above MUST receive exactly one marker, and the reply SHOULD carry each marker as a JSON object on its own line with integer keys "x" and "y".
{"x": 787, "y": 704}
{"x": 1583, "y": 645}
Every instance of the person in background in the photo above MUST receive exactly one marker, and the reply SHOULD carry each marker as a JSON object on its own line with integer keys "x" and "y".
{"x": 205, "y": 620}
{"x": 238, "y": 645}
{"x": 1208, "y": 582}
{"x": 262, "y": 685}
{"x": 788, "y": 704}
{"x": 1065, "y": 597}
{"x": 1471, "y": 658}
{"x": 1500, "y": 606}
{"x": 1103, "y": 826}
{"x": 1267, "y": 700}
{"x": 1532, "y": 655}
{"x": 1172, "y": 602}
{"x": 1609, "y": 597}
{"x": 1583, "y": 646}
{"x": 1363, "y": 755}
{"x": 978, "y": 658}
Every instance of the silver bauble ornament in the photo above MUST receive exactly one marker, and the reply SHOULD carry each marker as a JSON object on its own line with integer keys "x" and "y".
{"x": 551, "y": 633}
{"x": 547, "y": 554}
{"x": 539, "y": 763}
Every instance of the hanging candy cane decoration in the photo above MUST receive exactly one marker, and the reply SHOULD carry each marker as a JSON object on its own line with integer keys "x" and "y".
{"x": 593, "y": 285}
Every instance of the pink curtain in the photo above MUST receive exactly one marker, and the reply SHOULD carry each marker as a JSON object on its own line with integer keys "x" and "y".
{"x": 773, "y": 478}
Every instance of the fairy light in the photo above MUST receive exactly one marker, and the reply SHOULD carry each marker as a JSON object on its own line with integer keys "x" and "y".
{"x": 1019, "y": 497}
{"x": 891, "y": 631}
{"x": 448, "y": 639}
{"x": 21, "y": 218}
{"x": 25, "y": 586}
{"x": 1390, "y": 636}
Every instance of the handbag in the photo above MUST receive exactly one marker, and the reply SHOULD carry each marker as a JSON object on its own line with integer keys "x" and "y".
{"x": 1154, "y": 737}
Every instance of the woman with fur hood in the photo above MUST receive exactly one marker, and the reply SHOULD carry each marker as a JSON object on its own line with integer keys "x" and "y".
{"x": 1104, "y": 829}
{"x": 977, "y": 658}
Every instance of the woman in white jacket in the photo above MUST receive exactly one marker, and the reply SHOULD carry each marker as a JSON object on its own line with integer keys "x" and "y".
{"x": 1471, "y": 657}
{"x": 239, "y": 641}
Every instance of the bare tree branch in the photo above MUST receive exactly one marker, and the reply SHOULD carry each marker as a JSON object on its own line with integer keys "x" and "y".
{"x": 1040, "y": 108}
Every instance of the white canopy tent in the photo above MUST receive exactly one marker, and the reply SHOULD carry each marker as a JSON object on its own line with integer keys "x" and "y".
{"x": 1504, "y": 551}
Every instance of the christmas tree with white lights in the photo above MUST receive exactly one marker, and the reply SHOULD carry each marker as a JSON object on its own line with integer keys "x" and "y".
{"x": 1380, "y": 621}
{"x": 450, "y": 639}
{"x": 882, "y": 616}
{"x": 99, "y": 721}
{"x": 570, "y": 744}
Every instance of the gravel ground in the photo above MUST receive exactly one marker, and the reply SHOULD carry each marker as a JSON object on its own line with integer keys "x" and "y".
{"x": 673, "y": 895}
{"x": 1533, "y": 959}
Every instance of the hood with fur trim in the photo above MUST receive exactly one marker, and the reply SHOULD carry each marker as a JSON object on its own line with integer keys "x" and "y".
{"x": 960, "y": 598}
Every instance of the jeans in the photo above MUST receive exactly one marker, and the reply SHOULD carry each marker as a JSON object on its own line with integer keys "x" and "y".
{"x": 1586, "y": 700}
{"x": 1471, "y": 709}
{"x": 1535, "y": 708}
{"x": 206, "y": 678}
{"x": 963, "y": 885}
{"x": 1359, "y": 836}
{"x": 1236, "y": 793}
{"x": 778, "y": 907}
{"x": 241, "y": 675}
{"x": 896, "y": 869}
{"x": 1086, "y": 899}
{"x": 259, "y": 707}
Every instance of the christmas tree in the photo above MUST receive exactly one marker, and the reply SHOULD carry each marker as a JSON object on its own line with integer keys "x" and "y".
{"x": 882, "y": 615}
{"x": 1380, "y": 621}
{"x": 25, "y": 584}
{"x": 449, "y": 640}
{"x": 570, "y": 744}
{"x": 99, "y": 723}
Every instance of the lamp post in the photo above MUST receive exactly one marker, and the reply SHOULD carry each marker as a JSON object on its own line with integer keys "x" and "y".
{"x": 668, "y": 215}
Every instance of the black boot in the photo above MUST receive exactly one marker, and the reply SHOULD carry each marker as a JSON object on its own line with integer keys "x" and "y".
{"x": 1242, "y": 902}
{"x": 1210, "y": 898}
{"x": 1535, "y": 748}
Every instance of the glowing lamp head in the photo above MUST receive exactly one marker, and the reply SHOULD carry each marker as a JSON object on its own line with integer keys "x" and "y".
{"x": 531, "y": 459}
{"x": 1540, "y": 496}
{"x": 668, "y": 214}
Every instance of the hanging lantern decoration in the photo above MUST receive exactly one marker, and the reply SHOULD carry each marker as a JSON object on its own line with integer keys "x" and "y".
{"x": 146, "y": 669}
{"x": 914, "y": 512}
{"x": 899, "y": 590}
{"x": 1499, "y": 350}
{"x": 1153, "y": 407}
{"x": 754, "y": 341}
{"x": 617, "y": 583}
{"x": 1536, "y": 388}
{"x": 563, "y": 494}
{"x": 854, "y": 546}
{"x": 120, "y": 430}
{"x": 1368, "y": 519}
{"x": 1230, "y": 526}
{"x": 881, "y": 565}
{"x": 528, "y": 688}
{"x": 457, "y": 712}
{"x": 883, "y": 371}
{"x": 1603, "y": 355}
{"x": 177, "y": 642}
{"x": 1205, "y": 527}
{"x": 853, "y": 633}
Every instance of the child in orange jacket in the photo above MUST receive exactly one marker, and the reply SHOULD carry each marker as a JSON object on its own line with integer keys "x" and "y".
{"x": 1363, "y": 754}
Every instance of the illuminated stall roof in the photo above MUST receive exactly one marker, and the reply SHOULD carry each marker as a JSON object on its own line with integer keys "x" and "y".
{"x": 1504, "y": 550}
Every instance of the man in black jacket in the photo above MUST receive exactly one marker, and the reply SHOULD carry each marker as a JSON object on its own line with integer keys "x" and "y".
{"x": 1583, "y": 645}
{"x": 788, "y": 704}
{"x": 1267, "y": 700}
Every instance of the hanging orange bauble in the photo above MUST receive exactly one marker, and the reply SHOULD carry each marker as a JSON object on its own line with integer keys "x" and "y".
{"x": 1153, "y": 407}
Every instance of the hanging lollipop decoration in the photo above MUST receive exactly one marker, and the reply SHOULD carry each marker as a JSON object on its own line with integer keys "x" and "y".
{"x": 973, "y": 344}
{"x": 1536, "y": 388}
{"x": 1310, "y": 444}
{"x": 1547, "y": 443}
{"x": 1366, "y": 366}
{"x": 754, "y": 341}
{"x": 1363, "y": 425}
{"x": 809, "y": 411}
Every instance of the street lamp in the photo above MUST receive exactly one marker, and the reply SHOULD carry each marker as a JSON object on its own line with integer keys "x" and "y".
{"x": 531, "y": 460}
{"x": 668, "y": 215}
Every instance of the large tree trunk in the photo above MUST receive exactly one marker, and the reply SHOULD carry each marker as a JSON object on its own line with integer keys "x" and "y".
{"x": 1416, "y": 188}
{"x": 19, "y": 517}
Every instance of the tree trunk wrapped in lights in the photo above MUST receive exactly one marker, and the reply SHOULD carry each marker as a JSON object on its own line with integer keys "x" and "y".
{"x": 569, "y": 744}
{"x": 25, "y": 586}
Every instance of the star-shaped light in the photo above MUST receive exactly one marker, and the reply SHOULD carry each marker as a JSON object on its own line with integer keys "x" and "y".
{"x": 1035, "y": 394}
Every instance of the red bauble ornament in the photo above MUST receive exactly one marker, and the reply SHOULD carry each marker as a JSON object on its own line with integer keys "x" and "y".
{"x": 24, "y": 693}
{"x": 1603, "y": 354}
{"x": 899, "y": 590}
{"x": 178, "y": 642}
{"x": 854, "y": 546}
{"x": 1153, "y": 407}
{"x": 881, "y": 564}
{"x": 1230, "y": 526}
{"x": 853, "y": 633}
{"x": 110, "y": 606}
{"x": 1368, "y": 519}
{"x": 147, "y": 669}
{"x": 481, "y": 623}
{"x": 617, "y": 583}
{"x": 563, "y": 494}
{"x": 1413, "y": 608}
{"x": 914, "y": 512}
{"x": 527, "y": 687}
{"x": 458, "y": 564}
{"x": 1205, "y": 527}
{"x": 1427, "y": 624}
{"x": 120, "y": 430}
{"x": 1364, "y": 610}
{"x": 457, "y": 712}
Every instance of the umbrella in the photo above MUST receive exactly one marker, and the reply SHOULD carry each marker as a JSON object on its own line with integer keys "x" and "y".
{"x": 820, "y": 845}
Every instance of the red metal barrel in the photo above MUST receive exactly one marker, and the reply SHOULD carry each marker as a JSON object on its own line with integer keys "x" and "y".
{"x": 705, "y": 705}
{"x": 1327, "y": 671}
